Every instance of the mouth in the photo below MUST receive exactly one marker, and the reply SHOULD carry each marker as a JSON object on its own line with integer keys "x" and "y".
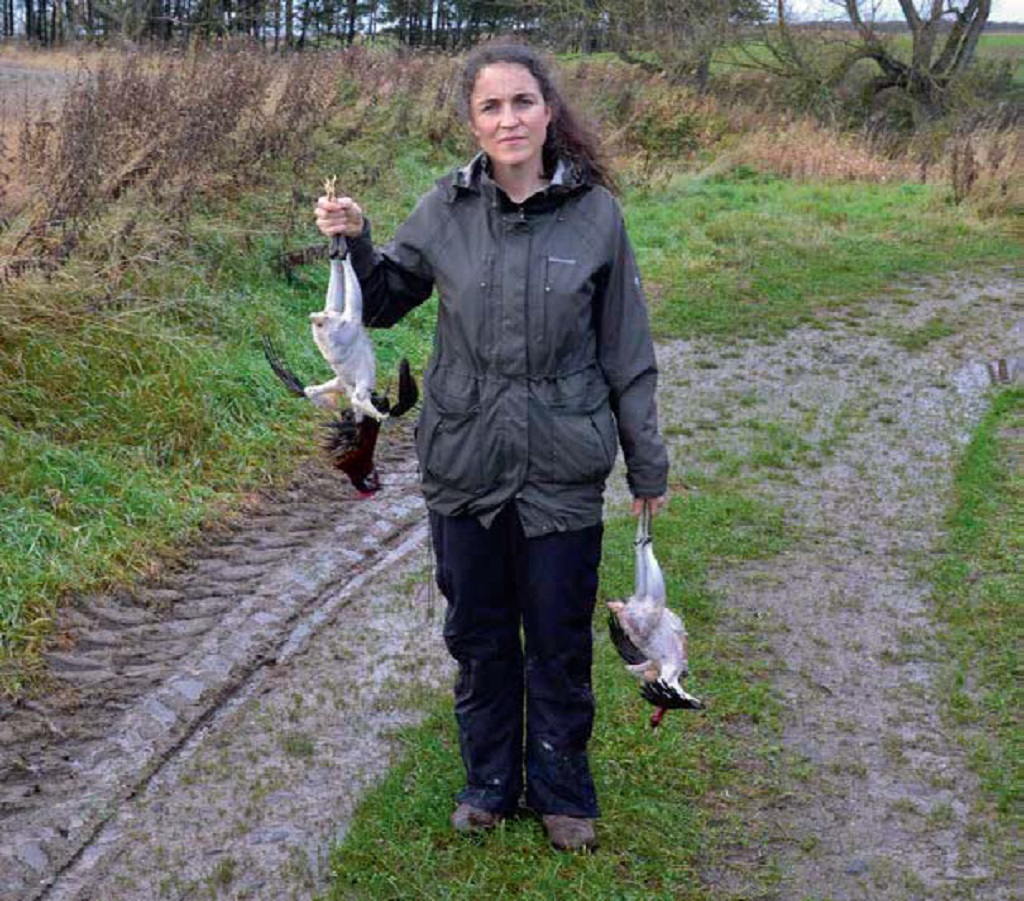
{"x": 515, "y": 140}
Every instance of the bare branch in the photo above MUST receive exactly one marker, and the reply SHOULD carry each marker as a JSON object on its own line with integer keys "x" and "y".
{"x": 970, "y": 42}
{"x": 787, "y": 37}
{"x": 949, "y": 59}
{"x": 910, "y": 14}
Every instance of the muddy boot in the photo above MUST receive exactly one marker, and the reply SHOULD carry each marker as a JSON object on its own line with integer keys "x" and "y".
{"x": 570, "y": 833}
{"x": 472, "y": 819}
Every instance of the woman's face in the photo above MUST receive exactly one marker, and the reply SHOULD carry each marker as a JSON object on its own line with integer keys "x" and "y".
{"x": 508, "y": 115}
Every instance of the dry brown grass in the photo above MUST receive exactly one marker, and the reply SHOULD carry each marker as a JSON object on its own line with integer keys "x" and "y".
{"x": 149, "y": 133}
{"x": 46, "y": 60}
{"x": 805, "y": 151}
{"x": 152, "y": 133}
{"x": 984, "y": 166}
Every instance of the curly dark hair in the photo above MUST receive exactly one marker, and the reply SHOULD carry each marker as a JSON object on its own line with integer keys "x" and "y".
{"x": 568, "y": 137}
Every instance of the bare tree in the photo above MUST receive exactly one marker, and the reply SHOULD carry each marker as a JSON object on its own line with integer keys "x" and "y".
{"x": 944, "y": 37}
{"x": 944, "y": 40}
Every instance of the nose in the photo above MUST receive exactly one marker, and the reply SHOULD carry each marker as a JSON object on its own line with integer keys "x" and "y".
{"x": 508, "y": 116}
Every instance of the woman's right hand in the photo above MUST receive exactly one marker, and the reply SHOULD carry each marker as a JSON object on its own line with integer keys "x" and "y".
{"x": 342, "y": 216}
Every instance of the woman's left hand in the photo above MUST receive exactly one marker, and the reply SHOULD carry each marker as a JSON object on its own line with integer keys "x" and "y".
{"x": 656, "y": 503}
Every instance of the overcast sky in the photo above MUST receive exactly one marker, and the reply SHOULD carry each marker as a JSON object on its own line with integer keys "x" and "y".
{"x": 1007, "y": 11}
{"x": 1002, "y": 10}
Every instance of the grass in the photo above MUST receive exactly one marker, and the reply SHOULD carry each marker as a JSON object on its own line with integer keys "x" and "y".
{"x": 750, "y": 255}
{"x": 664, "y": 795}
{"x": 979, "y": 586}
{"x": 135, "y": 404}
{"x": 124, "y": 429}
{"x": 916, "y": 339}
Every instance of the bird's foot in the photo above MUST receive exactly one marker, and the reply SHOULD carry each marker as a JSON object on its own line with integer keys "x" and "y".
{"x": 367, "y": 408}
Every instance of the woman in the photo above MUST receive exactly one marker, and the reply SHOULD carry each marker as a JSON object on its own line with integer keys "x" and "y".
{"x": 543, "y": 362}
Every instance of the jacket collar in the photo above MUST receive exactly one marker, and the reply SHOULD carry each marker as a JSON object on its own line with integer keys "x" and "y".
{"x": 475, "y": 177}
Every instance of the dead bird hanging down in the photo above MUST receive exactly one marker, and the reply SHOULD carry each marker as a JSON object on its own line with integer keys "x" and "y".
{"x": 350, "y": 439}
{"x": 339, "y": 334}
{"x": 649, "y": 636}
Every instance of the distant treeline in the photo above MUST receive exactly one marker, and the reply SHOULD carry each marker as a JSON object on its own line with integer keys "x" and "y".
{"x": 443, "y": 24}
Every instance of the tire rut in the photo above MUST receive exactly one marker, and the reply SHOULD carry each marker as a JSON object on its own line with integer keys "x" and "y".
{"x": 135, "y": 673}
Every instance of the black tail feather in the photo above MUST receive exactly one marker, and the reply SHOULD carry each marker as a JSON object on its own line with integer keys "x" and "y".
{"x": 290, "y": 379}
{"x": 660, "y": 695}
{"x": 408, "y": 393}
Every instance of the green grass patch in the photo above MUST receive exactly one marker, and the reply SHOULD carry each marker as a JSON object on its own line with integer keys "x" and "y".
{"x": 978, "y": 589}
{"x": 662, "y": 793}
{"x": 128, "y": 419}
{"x": 919, "y": 338}
{"x": 750, "y": 255}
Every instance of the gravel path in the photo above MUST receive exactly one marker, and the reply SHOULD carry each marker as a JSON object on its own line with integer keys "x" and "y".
{"x": 855, "y": 436}
{"x": 25, "y": 88}
{"x": 209, "y": 735}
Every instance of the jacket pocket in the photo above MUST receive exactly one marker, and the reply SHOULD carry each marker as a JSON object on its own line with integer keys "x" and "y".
{"x": 451, "y": 438}
{"x": 574, "y": 435}
{"x": 566, "y": 311}
{"x": 561, "y": 273}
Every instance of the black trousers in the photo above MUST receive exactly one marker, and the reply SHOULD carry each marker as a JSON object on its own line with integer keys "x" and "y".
{"x": 496, "y": 582}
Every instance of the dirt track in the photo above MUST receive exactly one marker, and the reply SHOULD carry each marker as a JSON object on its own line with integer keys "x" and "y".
{"x": 213, "y": 732}
{"x": 145, "y": 673}
{"x": 875, "y": 800}
{"x": 28, "y": 87}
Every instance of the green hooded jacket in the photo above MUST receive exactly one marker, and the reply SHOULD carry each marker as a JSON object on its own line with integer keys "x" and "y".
{"x": 543, "y": 361}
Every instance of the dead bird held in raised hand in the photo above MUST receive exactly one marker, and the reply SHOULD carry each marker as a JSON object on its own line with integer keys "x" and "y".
{"x": 340, "y": 336}
{"x": 648, "y": 636}
{"x": 339, "y": 333}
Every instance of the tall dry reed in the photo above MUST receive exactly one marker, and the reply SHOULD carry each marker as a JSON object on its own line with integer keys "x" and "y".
{"x": 167, "y": 129}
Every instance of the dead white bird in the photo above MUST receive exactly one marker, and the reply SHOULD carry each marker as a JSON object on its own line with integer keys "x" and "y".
{"x": 648, "y": 636}
{"x": 350, "y": 440}
{"x": 339, "y": 334}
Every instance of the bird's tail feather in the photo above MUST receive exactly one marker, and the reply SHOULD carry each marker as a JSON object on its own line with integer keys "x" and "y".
{"x": 660, "y": 694}
{"x": 291, "y": 381}
{"x": 408, "y": 393}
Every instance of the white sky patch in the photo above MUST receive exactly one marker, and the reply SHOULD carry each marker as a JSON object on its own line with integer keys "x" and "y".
{"x": 1002, "y": 10}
